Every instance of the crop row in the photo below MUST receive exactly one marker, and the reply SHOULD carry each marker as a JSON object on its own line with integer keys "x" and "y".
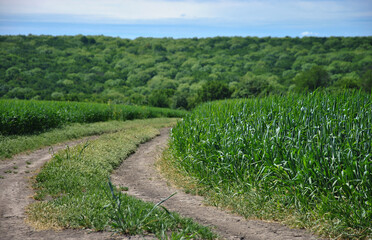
{"x": 313, "y": 149}
{"x": 24, "y": 117}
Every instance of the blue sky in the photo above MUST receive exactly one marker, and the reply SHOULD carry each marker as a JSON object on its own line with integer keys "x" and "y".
{"x": 187, "y": 18}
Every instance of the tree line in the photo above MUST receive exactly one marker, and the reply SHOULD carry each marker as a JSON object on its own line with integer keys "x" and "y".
{"x": 178, "y": 73}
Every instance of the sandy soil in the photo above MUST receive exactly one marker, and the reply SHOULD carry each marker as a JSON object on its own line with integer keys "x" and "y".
{"x": 140, "y": 176}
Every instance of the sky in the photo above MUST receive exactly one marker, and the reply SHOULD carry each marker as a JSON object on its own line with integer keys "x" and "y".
{"x": 187, "y": 18}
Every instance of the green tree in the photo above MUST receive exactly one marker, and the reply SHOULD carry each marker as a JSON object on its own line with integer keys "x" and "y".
{"x": 285, "y": 61}
{"x": 214, "y": 90}
{"x": 96, "y": 64}
{"x": 21, "y": 93}
{"x": 137, "y": 98}
{"x": 161, "y": 98}
{"x": 366, "y": 81}
{"x": 180, "y": 100}
{"x": 138, "y": 79}
{"x": 12, "y": 73}
{"x": 57, "y": 96}
{"x": 309, "y": 80}
{"x": 252, "y": 86}
{"x": 350, "y": 80}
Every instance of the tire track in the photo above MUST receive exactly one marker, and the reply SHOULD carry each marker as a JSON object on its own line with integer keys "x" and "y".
{"x": 138, "y": 173}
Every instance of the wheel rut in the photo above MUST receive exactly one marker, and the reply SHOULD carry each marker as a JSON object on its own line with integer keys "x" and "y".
{"x": 16, "y": 194}
{"x": 139, "y": 174}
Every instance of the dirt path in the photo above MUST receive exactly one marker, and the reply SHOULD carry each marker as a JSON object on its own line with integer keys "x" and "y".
{"x": 15, "y": 195}
{"x": 140, "y": 176}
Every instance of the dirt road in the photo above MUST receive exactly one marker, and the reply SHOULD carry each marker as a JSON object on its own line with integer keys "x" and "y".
{"x": 140, "y": 176}
{"x": 16, "y": 193}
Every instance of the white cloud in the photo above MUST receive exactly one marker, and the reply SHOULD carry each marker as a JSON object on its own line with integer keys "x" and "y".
{"x": 111, "y": 9}
{"x": 235, "y": 11}
{"x": 305, "y": 34}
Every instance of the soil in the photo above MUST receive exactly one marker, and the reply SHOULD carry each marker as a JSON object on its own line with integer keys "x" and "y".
{"x": 16, "y": 193}
{"x": 139, "y": 174}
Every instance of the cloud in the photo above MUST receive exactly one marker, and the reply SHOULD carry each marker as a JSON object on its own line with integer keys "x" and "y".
{"x": 110, "y": 9}
{"x": 235, "y": 11}
{"x": 188, "y": 18}
{"x": 305, "y": 34}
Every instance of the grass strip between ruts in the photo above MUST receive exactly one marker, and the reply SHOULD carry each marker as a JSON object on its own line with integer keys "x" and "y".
{"x": 75, "y": 184}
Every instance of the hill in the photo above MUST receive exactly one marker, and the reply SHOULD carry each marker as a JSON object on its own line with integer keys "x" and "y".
{"x": 178, "y": 73}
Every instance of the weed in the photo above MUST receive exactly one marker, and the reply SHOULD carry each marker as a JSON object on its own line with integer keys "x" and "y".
{"x": 124, "y": 219}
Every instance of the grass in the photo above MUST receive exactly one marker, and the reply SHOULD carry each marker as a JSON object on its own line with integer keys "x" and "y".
{"x": 136, "y": 217}
{"x": 303, "y": 159}
{"x": 75, "y": 182}
{"x": 27, "y": 117}
{"x": 11, "y": 145}
{"x": 121, "y": 188}
{"x": 252, "y": 205}
{"x": 168, "y": 167}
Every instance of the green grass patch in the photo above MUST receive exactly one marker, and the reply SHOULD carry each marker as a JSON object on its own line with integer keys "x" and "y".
{"x": 27, "y": 117}
{"x": 303, "y": 159}
{"x": 75, "y": 182}
{"x": 11, "y": 145}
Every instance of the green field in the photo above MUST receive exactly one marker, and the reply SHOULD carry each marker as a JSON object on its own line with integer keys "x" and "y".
{"x": 25, "y": 117}
{"x": 308, "y": 155}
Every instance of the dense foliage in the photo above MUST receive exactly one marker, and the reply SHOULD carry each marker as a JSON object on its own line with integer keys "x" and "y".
{"x": 178, "y": 73}
{"x": 314, "y": 151}
{"x": 23, "y": 117}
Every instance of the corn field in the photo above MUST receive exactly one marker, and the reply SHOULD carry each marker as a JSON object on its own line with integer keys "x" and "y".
{"x": 313, "y": 149}
{"x": 25, "y": 117}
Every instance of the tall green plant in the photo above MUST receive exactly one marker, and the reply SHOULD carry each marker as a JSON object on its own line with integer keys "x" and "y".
{"x": 24, "y": 117}
{"x": 314, "y": 150}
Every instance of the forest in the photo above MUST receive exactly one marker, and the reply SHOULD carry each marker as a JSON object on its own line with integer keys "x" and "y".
{"x": 178, "y": 73}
